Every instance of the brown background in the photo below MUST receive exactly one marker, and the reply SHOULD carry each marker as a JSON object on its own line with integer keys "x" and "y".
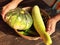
{"x": 9, "y": 37}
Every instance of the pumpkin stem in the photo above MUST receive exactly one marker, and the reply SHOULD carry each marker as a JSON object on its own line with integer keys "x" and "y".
{"x": 22, "y": 11}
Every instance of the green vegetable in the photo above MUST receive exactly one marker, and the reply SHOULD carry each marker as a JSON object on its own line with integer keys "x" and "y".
{"x": 19, "y": 19}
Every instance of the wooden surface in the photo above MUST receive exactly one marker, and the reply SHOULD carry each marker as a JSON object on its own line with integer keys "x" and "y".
{"x": 9, "y": 37}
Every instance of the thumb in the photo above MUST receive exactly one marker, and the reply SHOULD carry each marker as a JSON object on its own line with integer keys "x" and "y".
{"x": 4, "y": 11}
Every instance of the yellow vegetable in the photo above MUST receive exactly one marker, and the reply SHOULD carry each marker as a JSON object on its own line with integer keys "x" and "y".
{"x": 39, "y": 25}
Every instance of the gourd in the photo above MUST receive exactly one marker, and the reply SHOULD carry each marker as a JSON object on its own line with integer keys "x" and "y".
{"x": 19, "y": 19}
{"x": 40, "y": 26}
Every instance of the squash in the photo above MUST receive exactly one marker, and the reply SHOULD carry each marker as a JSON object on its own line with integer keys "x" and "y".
{"x": 19, "y": 19}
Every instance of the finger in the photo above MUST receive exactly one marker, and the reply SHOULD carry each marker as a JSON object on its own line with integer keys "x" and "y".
{"x": 49, "y": 32}
{"x": 5, "y": 11}
{"x": 26, "y": 8}
{"x": 48, "y": 26}
{"x": 52, "y": 29}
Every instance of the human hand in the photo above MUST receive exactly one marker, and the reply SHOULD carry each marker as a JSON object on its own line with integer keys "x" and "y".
{"x": 9, "y": 6}
{"x": 51, "y": 24}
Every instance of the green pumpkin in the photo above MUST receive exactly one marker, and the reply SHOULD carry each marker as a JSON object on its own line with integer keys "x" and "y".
{"x": 19, "y": 19}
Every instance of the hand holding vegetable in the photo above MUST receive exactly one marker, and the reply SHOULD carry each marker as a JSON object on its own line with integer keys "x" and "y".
{"x": 51, "y": 24}
{"x": 12, "y": 5}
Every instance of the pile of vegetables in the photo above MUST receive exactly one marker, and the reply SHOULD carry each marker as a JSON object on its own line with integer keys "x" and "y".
{"x": 26, "y": 24}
